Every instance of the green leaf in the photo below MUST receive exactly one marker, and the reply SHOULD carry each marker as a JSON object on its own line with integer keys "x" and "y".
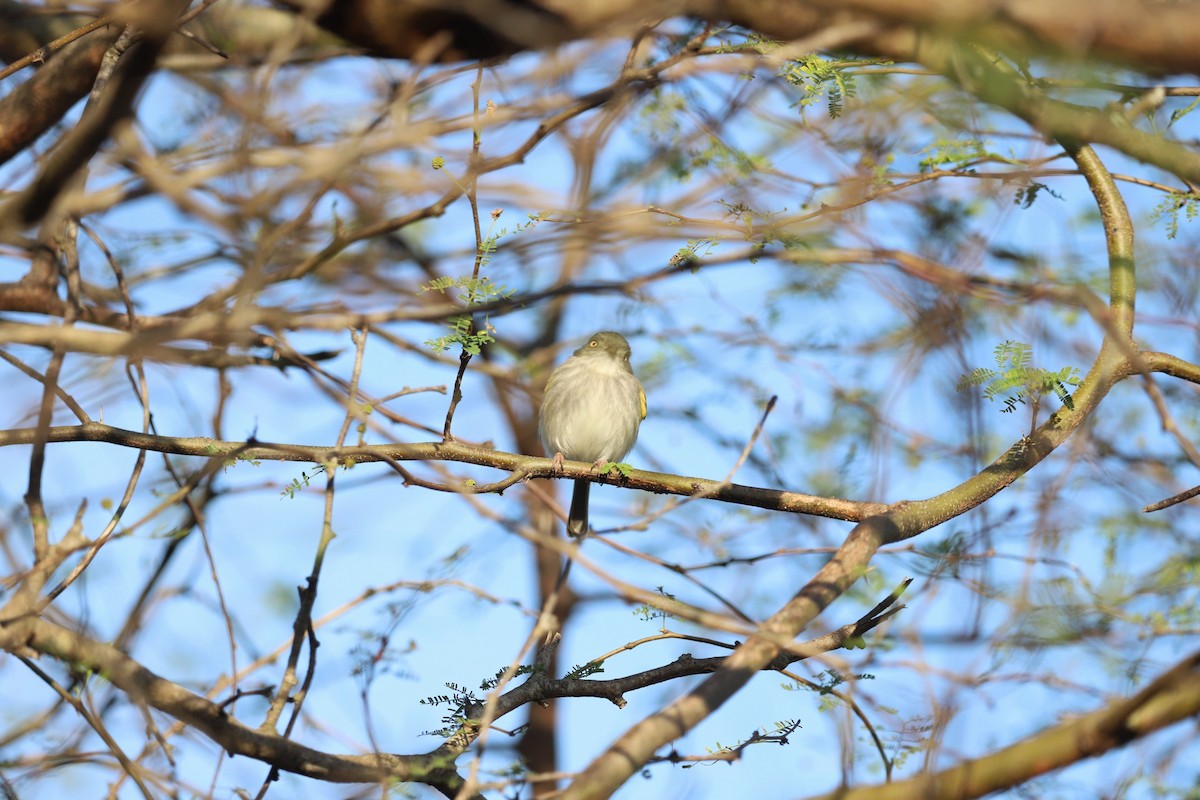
{"x": 625, "y": 469}
{"x": 1016, "y": 381}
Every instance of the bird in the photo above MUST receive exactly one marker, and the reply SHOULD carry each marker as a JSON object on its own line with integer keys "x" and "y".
{"x": 591, "y": 411}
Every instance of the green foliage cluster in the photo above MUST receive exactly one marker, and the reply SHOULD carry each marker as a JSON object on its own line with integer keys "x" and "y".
{"x": 1016, "y": 380}
{"x": 961, "y": 155}
{"x": 648, "y": 612}
{"x": 778, "y": 734}
{"x": 461, "y": 700}
{"x": 463, "y": 333}
{"x": 585, "y": 670}
{"x": 1170, "y": 207}
{"x": 818, "y": 78}
{"x": 1027, "y": 194}
{"x": 298, "y": 485}
{"x": 692, "y": 253}
{"x": 475, "y": 290}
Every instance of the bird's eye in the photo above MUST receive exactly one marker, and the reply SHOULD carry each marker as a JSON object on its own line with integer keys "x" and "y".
{"x": 593, "y": 343}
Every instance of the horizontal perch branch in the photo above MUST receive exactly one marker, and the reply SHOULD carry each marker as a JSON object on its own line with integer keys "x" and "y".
{"x": 525, "y": 466}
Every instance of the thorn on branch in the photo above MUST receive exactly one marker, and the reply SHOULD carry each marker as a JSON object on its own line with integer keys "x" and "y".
{"x": 265, "y": 691}
{"x": 887, "y": 601}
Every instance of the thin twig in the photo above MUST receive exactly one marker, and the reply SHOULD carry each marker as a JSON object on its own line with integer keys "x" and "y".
{"x": 1173, "y": 500}
{"x": 94, "y": 722}
{"x": 45, "y": 51}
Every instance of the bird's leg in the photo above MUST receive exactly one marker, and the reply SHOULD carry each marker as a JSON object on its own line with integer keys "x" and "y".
{"x": 558, "y": 459}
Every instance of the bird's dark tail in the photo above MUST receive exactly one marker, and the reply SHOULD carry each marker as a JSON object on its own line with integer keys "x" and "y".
{"x": 577, "y": 522}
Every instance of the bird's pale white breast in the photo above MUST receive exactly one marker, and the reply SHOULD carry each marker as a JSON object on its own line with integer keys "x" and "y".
{"x": 597, "y": 410}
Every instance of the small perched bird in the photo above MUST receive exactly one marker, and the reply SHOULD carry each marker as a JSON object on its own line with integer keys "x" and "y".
{"x": 591, "y": 412}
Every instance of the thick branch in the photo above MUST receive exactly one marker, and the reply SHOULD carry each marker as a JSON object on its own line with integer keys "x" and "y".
{"x": 1172, "y": 697}
{"x": 1159, "y": 37}
{"x": 210, "y": 718}
{"x": 987, "y": 79}
{"x": 108, "y": 106}
{"x": 1171, "y": 365}
{"x": 37, "y": 104}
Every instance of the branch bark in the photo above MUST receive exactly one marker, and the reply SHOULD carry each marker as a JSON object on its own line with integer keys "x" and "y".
{"x": 1170, "y": 698}
{"x": 1158, "y": 37}
{"x": 523, "y": 467}
{"x": 210, "y": 718}
{"x": 37, "y": 104}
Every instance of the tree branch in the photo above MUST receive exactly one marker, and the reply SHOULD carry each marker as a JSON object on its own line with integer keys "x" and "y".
{"x": 1172, "y": 697}
{"x": 211, "y": 719}
{"x": 527, "y": 466}
{"x": 1150, "y": 35}
{"x": 35, "y": 105}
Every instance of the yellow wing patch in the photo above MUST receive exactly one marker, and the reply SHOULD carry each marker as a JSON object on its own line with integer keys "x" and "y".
{"x": 642, "y": 397}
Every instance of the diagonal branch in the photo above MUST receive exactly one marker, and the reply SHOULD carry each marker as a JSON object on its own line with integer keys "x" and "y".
{"x": 991, "y": 82}
{"x": 1170, "y": 698}
{"x": 35, "y": 105}
{"x": 135, "y": 52}
{"x": 212, "y": 720}
{"x": 540, "y": 687}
